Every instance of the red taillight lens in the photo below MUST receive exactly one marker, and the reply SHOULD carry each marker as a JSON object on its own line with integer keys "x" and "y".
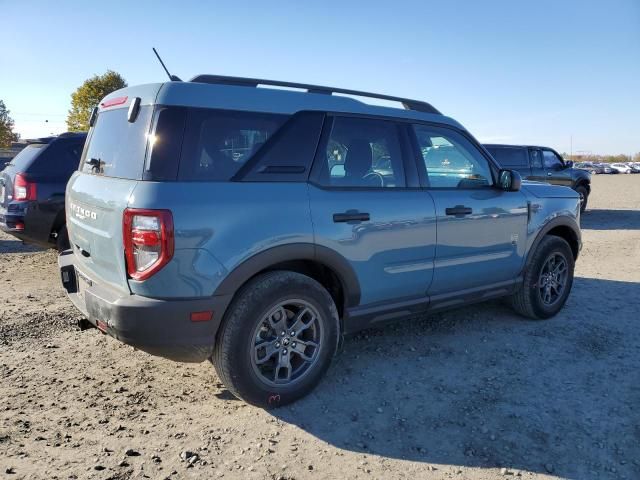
{"x": 23, "y": 189}
{"x": 148, "y": 241}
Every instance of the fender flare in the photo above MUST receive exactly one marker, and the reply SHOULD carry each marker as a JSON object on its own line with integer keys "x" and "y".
{"x": 563, "y": 221}
{"x": 293, "y": 252}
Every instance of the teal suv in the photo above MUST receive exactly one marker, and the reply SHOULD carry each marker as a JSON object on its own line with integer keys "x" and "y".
{"x": 218, "y": 220}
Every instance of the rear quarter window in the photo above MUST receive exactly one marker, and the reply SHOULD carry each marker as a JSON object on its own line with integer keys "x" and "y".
{"x": 218, "y": 143}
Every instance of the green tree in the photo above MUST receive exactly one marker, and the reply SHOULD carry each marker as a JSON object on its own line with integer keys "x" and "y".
{"x": 6, "y": 127}
{"x": 88, "y": 95}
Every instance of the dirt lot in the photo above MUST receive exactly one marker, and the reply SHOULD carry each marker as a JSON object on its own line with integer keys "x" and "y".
{"x": 465, "y": 394}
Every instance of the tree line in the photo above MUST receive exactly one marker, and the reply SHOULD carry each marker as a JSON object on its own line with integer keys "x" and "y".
{"x": 591, "y": 158}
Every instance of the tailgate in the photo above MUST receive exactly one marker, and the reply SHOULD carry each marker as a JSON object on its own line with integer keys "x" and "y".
{"x": 94, "y": 220}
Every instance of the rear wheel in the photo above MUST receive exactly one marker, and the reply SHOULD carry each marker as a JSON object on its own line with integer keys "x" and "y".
{"x": 62, "y": 240}
{"x": 277, "y": 340}
{"x": 547, "y": 281}
{"x": 584, "y": 196}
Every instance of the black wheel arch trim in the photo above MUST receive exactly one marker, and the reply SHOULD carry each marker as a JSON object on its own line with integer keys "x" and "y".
{"x": 550, "y": 225}
{"x": 294, "y": 252}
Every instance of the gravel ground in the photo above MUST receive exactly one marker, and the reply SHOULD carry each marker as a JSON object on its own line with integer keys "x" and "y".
{"x": 475, "y": 393}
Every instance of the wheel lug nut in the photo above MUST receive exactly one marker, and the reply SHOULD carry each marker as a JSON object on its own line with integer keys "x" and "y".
{"x": 277, "y": 345}
{"x": 284, "y": 352}
{"x": 293, "y": 334}
{"x": 283, "y": 333}
{"x": 293, "y": 345}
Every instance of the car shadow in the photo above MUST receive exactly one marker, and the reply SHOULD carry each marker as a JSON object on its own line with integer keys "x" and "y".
{"x": 16, "y": 246}
{"x": 483, "y": 387}
{"x": 610, "y": 220}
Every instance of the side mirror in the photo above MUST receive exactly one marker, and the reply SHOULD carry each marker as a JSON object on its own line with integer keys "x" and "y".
{"x": 568, "y": 164}
{"x": 509, "y": 180}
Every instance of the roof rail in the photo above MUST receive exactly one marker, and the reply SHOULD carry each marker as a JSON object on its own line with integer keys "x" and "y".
{"x": 407, "y": 103}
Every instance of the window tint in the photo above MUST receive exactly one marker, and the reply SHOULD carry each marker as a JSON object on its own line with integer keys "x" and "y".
{"x": 362, "y": 153}
{"x": 59, "y": 161}
{"x": 117, "y": 147}
{"x": 217, "y": 143}
{"x": 535, "y": 157}
{"x": 23, "y": 160}
{"x": 451, "y": 161}
{"x": 550, "y": 159}
{"x": 166, "y": 143}
{"x": 510, "y": 157}
{"x": 288, "y": 156}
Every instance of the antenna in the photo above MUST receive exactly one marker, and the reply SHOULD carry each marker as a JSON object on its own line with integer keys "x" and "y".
{"x": 173, "y": 78}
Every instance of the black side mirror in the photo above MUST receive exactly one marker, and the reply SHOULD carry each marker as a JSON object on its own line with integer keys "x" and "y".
{"x": 568, "y": 164}
{"x": 509, "y": 180}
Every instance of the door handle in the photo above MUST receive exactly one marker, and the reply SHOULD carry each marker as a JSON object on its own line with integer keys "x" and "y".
{"x": 458, "y": 211}
{"x": 350, "y": 216}
{"x": 549, "y": 174}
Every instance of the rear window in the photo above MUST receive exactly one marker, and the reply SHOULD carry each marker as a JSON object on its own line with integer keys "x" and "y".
{"x": 117, "y": 147}
{"x": 217, "y": 143}
{"x": 509, "y": 157}
{"x": 27, "y": 155}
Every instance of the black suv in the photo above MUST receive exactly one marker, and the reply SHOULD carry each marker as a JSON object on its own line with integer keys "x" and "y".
{"x": 32, "y": 189}
{"x": 543, "y": 164}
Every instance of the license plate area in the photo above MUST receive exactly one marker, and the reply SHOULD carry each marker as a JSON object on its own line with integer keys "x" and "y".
{"x": 84, "y": 283}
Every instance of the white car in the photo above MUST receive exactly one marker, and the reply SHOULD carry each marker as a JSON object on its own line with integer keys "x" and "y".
{"x": 621, "y": 167}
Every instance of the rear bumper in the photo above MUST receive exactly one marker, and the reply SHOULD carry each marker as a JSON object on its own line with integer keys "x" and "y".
{"x": 157, "y": 326}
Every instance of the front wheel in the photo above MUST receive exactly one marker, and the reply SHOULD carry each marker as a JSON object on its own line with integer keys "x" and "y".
{"x": 547, "y": 280}
{"x": 277, "y": 339}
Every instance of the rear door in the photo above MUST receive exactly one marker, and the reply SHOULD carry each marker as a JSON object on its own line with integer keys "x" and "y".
{"x": 111, "y": 164}
{"x": 367, "y": 206}
{"x": 482, "y": 230}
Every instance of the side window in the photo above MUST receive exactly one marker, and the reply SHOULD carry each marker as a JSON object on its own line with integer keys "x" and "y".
{"x": 450, "y": 160}
{"x": 535, "y": 156}
{"x": 551, "y": 160}
{"x": 362, "y": 153}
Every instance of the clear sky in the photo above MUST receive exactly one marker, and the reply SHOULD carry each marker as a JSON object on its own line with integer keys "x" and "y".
{"x": 536, "y": 71}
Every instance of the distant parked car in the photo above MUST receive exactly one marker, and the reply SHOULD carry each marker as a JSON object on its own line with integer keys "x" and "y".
{"x": 621, "y": 167}
{"x": 543, "y": 164}
{"x": 32, "y": 188}
{"x": 635, "y": 167}
{"x": 606, "y": 167}
{"x": 592, "y": 168}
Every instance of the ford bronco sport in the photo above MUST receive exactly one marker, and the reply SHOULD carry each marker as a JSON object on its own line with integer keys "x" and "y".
{"x": 215, "y": 219}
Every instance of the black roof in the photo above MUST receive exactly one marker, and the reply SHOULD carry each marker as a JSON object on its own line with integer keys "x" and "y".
{"x": 407, "y": 103}
{"x": 56, "y": 137}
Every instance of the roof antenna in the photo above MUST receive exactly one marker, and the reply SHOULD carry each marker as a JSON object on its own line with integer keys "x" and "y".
{"x": 173, "y": 78}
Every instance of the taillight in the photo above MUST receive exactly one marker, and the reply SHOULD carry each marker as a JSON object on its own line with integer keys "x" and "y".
{"x": 148, "y": 241}
{"x": 23, "y": 189}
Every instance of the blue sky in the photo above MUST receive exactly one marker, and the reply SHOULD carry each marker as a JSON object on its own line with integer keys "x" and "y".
{"x": 535, "y": 71}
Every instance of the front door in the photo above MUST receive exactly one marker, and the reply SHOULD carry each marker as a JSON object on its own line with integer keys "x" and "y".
{"x": 555, "y": 169}
{"x": 481, "y": 229}
{"x": 363, "y": 208}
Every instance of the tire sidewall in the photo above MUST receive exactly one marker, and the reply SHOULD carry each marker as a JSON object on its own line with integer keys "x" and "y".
{"x": 582, "y": 190}
{"x": 250, "y": 308}
{"x": 549, "y": 246}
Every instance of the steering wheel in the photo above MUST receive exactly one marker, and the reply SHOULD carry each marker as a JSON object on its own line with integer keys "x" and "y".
{"x": 374, "y": 175}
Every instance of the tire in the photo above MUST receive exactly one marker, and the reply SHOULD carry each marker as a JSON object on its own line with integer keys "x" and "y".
{"x": 584, "y": 197}
{"x": 254, "y": 318}
{"x": 62, "y": 240}
{"x": 528, "y": 299}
